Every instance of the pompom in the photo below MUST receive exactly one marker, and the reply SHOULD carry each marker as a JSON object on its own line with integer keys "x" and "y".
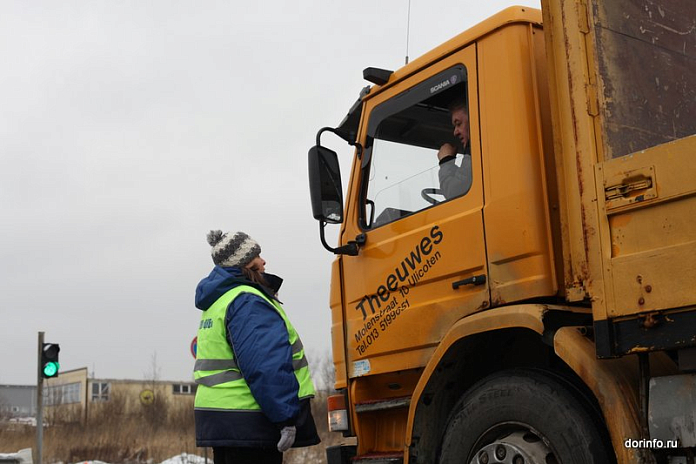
{"x": 214, "y": 237}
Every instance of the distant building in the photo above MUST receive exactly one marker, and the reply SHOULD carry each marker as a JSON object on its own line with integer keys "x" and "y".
{"x": 73, "y": 396}
{"x": 17, "y": 401}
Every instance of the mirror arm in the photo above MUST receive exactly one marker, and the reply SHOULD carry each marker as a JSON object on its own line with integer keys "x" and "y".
{"x": 351, "y": 249}
{"x": 331, "y": 129}
{"x": 321, "y": 131}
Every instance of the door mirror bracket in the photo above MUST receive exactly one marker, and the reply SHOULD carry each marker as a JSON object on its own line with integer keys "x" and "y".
{"x": 326, "y": 191}
{"x": 350, "y": 249}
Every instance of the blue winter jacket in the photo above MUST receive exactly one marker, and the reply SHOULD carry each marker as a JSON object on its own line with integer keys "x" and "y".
{"x": 263, "y": 353}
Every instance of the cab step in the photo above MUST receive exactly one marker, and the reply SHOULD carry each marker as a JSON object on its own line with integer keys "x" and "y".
{"x": 379, "y": 458}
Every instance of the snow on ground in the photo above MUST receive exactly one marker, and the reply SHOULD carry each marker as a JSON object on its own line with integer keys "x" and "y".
{"x": 20, "y": 456}
{"x": 183, "y": 458}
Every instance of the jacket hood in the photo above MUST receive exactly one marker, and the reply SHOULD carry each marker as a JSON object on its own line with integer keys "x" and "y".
{"x": 223, "y": 279}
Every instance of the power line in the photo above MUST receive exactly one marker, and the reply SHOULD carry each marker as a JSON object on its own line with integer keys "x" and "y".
{"x": 408, "y": 28}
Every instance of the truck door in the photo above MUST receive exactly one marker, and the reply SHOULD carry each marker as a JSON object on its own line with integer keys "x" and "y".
{"x": 423, "y": 265}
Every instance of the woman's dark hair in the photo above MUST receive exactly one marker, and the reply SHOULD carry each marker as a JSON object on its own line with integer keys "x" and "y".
{"x": 254, "y": 276}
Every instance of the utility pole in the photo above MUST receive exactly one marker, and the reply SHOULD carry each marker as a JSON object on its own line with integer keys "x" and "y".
{"x": 39, "y": 401}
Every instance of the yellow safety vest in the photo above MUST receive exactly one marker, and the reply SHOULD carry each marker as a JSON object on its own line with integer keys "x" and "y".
{"x": 221, "y": 385}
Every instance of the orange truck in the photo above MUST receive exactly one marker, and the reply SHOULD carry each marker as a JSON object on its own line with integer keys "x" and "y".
{"x": 515, "y": 278}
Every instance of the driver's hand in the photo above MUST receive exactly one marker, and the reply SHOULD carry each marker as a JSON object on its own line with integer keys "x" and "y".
{"x": 446, "y": 150}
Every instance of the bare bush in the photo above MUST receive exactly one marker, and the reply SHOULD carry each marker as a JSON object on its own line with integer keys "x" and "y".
{"x": 63, "y": 414}
{"x": 156, "y": 411}
{"x": 102, "y": 411}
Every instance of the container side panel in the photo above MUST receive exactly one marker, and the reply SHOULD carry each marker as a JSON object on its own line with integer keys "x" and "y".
{"x": 646, "y": 65}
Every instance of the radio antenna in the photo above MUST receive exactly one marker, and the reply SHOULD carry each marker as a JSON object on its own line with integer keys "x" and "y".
{"x": 408, "y": 28}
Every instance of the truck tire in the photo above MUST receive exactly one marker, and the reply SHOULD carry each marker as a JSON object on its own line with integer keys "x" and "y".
{"x": 523, "y": 417}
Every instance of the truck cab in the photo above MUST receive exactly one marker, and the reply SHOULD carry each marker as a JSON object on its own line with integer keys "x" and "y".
{"x": 458, "y": 278}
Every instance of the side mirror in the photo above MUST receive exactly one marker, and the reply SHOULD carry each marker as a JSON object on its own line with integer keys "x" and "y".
{"x": 325, "y": 187}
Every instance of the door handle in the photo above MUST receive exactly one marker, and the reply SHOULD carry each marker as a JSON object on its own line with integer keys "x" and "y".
{"x": 475, "y": 280}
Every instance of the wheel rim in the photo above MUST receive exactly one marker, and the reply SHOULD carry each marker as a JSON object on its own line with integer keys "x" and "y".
{"x": 512, "y": 443}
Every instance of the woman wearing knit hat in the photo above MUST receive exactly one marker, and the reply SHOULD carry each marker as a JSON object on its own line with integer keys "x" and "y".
{"x": 254, "y": 385}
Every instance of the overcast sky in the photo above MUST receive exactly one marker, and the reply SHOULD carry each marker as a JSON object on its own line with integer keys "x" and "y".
{"x": 130, "y": 129}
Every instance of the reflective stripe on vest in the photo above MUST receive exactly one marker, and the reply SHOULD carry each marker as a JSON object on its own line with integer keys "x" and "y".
{"x": 225, "y": 364}
{"x": 221, "y": 383}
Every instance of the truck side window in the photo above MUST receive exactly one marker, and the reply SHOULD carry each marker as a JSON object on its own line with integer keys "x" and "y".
{"x": 417, "y": 157}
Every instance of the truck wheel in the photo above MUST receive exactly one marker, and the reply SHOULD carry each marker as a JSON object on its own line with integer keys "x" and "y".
{"x": 522, "y": 417}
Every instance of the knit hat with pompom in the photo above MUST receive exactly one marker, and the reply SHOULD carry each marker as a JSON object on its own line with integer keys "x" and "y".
{"x": 229, "y": 249}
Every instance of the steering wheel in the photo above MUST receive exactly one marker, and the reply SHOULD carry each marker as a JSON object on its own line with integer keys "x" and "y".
{"x": 426, "y": 192}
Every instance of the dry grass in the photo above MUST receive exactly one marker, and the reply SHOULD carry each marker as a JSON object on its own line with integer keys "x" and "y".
{"x": 109, "y": 434}
{"x": 151, "y": 435}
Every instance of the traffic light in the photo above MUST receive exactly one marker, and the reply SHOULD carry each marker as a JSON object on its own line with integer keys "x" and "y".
{"x": 49, "y": 360}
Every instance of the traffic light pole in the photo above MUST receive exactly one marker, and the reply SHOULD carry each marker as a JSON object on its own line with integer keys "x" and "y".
{"x": 39, "y": 402}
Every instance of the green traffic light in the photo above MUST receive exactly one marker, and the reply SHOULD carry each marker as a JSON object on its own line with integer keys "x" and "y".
{"x": 50, "y": 369}
{"x": 49, "y": 360}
